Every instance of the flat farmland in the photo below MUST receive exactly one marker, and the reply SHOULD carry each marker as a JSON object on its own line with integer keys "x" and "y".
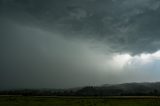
{"x": 79, "y": 101}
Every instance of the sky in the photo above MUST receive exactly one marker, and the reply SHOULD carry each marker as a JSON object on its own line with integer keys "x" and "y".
{"x": 73, "y": 43}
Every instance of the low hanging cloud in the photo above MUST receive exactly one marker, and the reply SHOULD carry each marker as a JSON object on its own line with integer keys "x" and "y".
{"x": 59, "y": 44}
{"x": 33, "y": 57}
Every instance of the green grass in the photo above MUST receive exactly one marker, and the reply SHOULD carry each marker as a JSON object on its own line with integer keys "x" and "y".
{"x": 78, "y": 101}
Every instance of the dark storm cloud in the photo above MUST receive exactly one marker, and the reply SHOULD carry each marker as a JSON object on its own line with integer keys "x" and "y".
{"x": 50, "y": 39}
{"x": 115, "y": 22}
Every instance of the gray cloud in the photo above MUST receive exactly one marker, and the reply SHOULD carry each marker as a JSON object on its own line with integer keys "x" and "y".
{"x": 114, "y": 22}
{"x": 54, "y": 43}
{"x": 34, "y": 58}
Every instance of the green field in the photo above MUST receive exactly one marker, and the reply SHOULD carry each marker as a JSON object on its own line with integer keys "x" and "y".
{"x": 78, "y": 101}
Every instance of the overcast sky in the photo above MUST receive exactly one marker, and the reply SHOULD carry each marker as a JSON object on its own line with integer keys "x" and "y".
{"x": 72, "y": 43}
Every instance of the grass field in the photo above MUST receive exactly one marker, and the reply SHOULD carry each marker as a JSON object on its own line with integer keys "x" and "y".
{"x": 78, "y": 101}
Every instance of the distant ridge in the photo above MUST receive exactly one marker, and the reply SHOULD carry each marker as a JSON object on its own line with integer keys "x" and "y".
{"x": 124, "y": 89}
{"x": 145, "y": 88}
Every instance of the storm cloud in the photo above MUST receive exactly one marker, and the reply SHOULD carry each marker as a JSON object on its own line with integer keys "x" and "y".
{"x": 70, "y": 43}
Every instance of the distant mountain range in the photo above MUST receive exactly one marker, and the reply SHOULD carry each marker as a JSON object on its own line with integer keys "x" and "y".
{"x": 125, "y": 89}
